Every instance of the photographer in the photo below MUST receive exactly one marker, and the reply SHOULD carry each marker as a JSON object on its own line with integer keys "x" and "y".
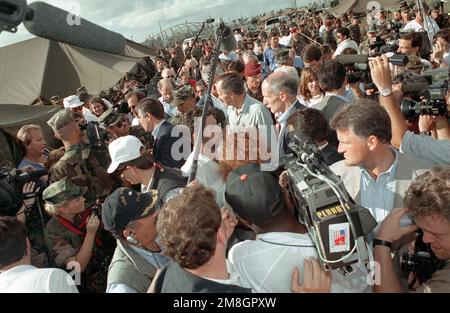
{"x": 78, "y": 163}
{"x": 428, "y": 201}
{"x": 425, "y": 147}
{"x": 73, "y": 235}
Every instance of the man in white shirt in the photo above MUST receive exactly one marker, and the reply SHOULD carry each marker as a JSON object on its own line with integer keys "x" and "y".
{"x": 418, "y": 24}
{"x": 17, "y": 275}
{"x": 266, "y": 264}
{"x": 165, "y": 88}
{"x": 344, "y": 42}
{"x": 280, "y": 97}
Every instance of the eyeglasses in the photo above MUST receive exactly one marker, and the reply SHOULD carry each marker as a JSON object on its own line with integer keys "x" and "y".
{"x": 170, "y": 76}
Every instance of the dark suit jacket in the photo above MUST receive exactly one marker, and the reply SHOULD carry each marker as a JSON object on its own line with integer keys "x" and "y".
{"x": 329, "y": 106}
{"x": 331, "y": 155}
{"x": 162, "y": 150}
{"x": 284, "y": 137}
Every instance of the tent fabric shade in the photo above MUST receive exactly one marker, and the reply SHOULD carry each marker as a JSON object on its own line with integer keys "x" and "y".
{"x": 13, "y": 117}
{"x": 41, "y": 67}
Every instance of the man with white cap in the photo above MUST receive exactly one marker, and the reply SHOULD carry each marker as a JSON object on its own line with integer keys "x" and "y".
{"x": 136, "y": 165}
{"x": 74, "y": 104}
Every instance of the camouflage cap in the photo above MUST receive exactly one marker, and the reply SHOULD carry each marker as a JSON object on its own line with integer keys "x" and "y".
{"x": 62, "y": 190}
{"x": 109, "y": 118}
{"x": 372, "y": 29}
{"x": 61, "y": 119}
{"x": 182, "y": 94}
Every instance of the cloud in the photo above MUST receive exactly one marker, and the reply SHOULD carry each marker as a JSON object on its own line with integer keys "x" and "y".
{"x": 140, "y": 18}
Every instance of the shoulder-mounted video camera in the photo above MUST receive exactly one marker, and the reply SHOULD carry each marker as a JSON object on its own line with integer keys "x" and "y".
{"x": 358, "y": 70}
{"x": 336, "y": 224}
{"x": 427, "y": 93}
{"x": 11, "y": 185}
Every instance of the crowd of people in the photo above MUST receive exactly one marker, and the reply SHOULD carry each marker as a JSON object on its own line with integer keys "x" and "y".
{"x": 117, "y": 212}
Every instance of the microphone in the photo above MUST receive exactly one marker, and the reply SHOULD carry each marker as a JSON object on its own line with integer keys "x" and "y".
{"x": 347, "y": 59}
{"x": 228, "y": 41}
{"x": 46, "y": 21}
{"x": 210, "y": 21}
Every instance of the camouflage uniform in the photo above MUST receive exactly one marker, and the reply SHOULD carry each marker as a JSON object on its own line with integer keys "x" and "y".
{"x": 384, "y": 28}
{"x": 64, "y": 243}
{"x": 80, "y": 165}
{"x": 83, "y": 169}
{"x": 179, "y": 97}
{"x": 111, "y": 117}
{"x": 364, "y": 46}
{"x": 355, "y": 33}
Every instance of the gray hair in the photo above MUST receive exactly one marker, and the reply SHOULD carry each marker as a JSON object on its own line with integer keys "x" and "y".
{"x": 281, "y": 81}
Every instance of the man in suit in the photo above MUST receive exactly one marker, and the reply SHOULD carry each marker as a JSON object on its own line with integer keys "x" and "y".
{"x": 332, "y": 80}
{"x": 280, "y": 97}
{"x": 151, "y": 116}
{"x": 375, "y": 175}
{"x": 313, "y": 124}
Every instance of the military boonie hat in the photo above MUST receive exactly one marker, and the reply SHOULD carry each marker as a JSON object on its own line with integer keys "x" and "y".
{"x": 62, "y": 190}
{"x": 372, "y": 29}
{"x": 125, "y": 205}
{"x": 109, "y": 118}
{"x": 61, "y": 119}
{"x": 182, "y": 94}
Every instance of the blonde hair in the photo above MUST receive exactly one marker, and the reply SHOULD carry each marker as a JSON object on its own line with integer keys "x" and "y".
{"x": 55, "y": 209}
{"x": 24, "y": 133}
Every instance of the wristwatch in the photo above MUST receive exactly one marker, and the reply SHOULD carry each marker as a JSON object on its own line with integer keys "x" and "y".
{"x": 425, "y": 133}
{"x": 386, "y": 92}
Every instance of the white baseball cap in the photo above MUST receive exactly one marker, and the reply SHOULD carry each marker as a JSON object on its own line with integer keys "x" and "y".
{"x": 72, "y": 102}
{"x": 123, "y": 150}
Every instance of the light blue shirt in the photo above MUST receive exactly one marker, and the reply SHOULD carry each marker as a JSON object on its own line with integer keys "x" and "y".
{"x": 378, "y": 195}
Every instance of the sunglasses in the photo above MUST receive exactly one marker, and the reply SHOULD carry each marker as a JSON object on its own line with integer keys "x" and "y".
{"x": 171, "y": 76}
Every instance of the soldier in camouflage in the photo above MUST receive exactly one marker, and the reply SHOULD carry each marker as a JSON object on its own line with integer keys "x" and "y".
{"x": 355, "y": 31}
{"x": 384, "y": 25}
{"x": 116, "y": 126}
{"x": 184, "y": 100}
{"x": 364, "y": 46}
{"x": 75, "y": 237}
{"x": 78, "y": 163}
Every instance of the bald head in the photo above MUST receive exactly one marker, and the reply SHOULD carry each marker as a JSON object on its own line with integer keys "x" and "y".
{"x": 281, "y": 81}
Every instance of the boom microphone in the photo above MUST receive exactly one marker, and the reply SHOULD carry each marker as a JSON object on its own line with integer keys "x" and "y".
{"x": 347, "y": 59}
{"x": 228, "y": 40}
{"x": 209, "y": 21}
{"x": 47, "y": 21}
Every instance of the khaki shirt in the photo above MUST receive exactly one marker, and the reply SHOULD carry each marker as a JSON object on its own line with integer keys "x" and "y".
{"x": 439, "y": 283}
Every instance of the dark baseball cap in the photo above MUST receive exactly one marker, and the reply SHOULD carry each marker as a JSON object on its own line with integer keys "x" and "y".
{"x": 253, "y": 194}
{"x": 125, "y": 205}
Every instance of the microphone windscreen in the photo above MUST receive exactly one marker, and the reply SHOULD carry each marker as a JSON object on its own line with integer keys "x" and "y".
{"x": 347, "y": 59}
{"x": 56, "y": 24}
{"x": 228, "y": 41}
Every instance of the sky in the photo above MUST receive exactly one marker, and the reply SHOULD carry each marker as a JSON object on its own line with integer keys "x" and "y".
{"x": 137, "y": 19}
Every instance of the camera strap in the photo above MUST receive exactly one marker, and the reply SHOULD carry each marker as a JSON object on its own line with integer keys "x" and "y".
{"x": 80, "y": 229}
